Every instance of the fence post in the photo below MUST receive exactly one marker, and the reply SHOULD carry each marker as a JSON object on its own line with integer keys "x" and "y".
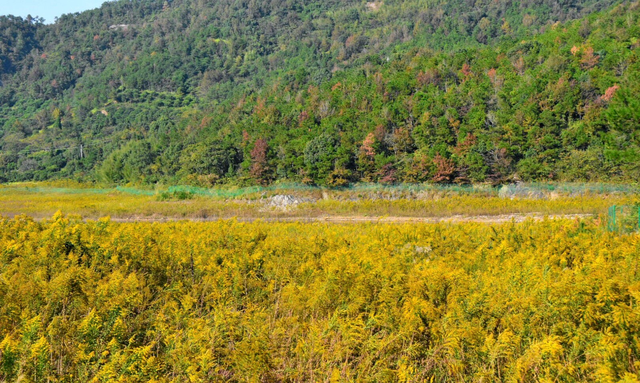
{"x": 612, "y": 214}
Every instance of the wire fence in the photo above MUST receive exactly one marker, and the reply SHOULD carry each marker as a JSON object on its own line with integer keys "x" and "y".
{"x": 531, "y": 190}
{"x": 623, "y": 219}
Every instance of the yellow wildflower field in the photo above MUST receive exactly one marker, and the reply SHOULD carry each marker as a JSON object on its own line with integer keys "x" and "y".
{"x": 555, "y": 300}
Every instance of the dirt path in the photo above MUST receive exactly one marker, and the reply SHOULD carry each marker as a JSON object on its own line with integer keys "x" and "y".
{"x": 361, "y": 219}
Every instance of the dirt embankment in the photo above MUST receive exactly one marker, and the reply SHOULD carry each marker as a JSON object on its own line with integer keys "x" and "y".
{"x": 363, "y": 219}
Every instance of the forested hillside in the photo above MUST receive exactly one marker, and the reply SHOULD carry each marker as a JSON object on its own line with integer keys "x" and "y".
{"x": 332, "y": 92}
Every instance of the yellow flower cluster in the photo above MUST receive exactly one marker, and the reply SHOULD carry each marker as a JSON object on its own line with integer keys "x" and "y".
{"x": 230, "y": 301}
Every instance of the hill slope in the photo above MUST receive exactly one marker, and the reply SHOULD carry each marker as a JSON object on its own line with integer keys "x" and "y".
{"x": 325, "y": 92}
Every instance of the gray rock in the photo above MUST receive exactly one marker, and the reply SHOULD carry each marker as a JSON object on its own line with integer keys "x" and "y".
{"x": 520, "y": 191}
{"x": 283, "y": 201}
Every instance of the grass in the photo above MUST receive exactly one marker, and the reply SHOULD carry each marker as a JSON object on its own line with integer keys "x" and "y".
{"x": 43, "y": 200}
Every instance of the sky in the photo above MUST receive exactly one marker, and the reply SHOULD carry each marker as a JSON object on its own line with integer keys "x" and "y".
{"x": 49, "y": 9}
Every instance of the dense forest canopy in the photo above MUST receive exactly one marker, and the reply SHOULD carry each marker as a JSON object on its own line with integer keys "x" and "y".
{"x": 323, "y": 92}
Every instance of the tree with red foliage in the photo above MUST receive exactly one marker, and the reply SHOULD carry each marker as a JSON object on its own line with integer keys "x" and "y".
{"x": 387, "y": 175}
{"x": 367, "y": 147}
{"x": 589, "y": 59}
{"x": 366, "y": 158}
{"x": 445, "y": 169}
{"x": 609, "y": 93}
{"x": 466, "y": 71}
{"x": 259, "y": 163}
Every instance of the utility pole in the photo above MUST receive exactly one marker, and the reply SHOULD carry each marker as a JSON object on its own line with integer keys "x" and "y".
{"x": 81, "y": 151}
